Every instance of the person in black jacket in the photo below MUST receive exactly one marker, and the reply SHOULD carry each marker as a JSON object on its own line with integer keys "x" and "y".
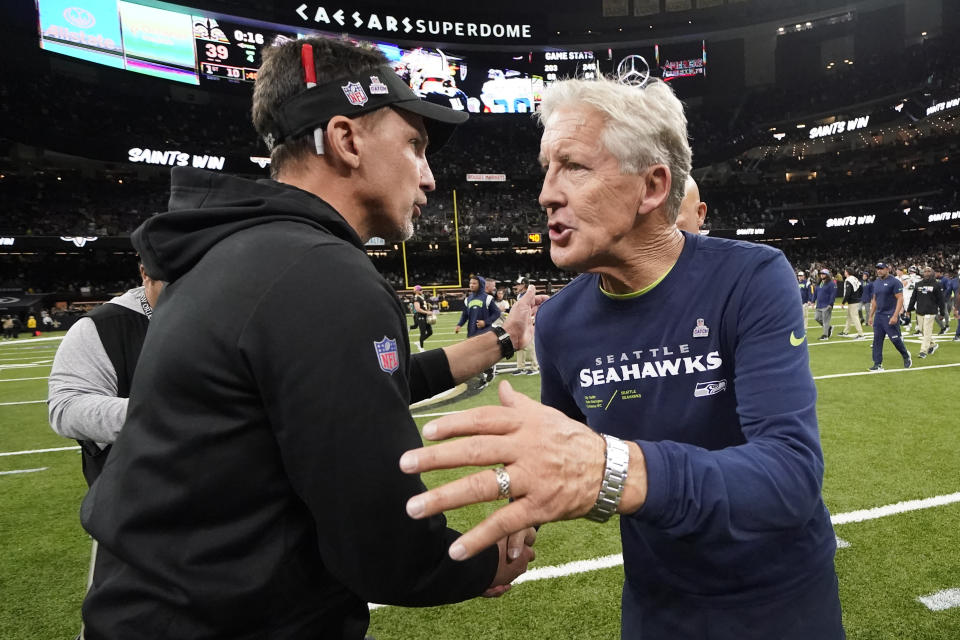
{"x": 421, "y": 315}
{"x": 255, "y": 490}
{"x": 928, "y": 300}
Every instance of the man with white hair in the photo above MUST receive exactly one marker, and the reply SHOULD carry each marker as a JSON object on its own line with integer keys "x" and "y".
{"x": 693, "y": 211}
{"x": 687, "y": 353}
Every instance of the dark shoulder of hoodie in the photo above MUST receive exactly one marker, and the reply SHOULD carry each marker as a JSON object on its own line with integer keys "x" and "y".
{"x": 292, "y": 239}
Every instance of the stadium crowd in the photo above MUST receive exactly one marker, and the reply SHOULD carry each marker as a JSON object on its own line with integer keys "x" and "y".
{"x": 903, "y": 170}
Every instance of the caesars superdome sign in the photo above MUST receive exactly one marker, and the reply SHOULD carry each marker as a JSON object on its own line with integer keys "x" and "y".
{"x": 418, "y": 25}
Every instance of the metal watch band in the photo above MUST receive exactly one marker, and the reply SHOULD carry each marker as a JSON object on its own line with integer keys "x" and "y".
{"x": 614, "y": 479}
{"x": 503, "y": 339}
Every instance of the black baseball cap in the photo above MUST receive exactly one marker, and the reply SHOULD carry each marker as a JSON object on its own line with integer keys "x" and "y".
{"x": 882, "y": 265}
{"x": 357, "y": 94}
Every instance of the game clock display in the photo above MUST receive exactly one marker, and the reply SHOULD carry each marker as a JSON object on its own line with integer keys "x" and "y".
{"x": 230, "y": 50}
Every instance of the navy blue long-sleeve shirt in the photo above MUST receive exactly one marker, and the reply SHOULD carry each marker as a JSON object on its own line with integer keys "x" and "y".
{"x": 708, "y": 372}
{"x": 826, "y": 293}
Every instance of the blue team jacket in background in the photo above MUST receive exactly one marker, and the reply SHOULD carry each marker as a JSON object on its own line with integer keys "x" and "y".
{"x": 826, "y": 293}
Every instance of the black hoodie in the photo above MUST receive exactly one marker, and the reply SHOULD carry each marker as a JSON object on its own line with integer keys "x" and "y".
{"x": 928, "y": 298}
{"x": 255, "y": 491}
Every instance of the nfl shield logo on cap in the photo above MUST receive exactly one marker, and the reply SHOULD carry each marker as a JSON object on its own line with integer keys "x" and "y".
{"x": 355, "y": 94}
{"x": 387, "y": 354}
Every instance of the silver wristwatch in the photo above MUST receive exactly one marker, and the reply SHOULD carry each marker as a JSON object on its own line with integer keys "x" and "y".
{"x": 614, "y": 479}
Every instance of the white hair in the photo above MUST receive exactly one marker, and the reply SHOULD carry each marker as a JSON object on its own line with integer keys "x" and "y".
{"x": 642, "y": 126}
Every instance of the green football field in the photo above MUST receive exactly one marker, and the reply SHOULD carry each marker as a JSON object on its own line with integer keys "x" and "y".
{"x": 892, "y": 447}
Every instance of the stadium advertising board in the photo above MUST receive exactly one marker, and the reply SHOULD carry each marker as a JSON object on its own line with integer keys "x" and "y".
{"x": 838, "y": 126}
{"x": 944, "y": 217}
{"x": 851, "y": 221}
{"x": 444, "y": 26}
{"x": 683, "y": 64}
{"x": 88, "y": 30}
{"x": 943, "y": 106}
{"x": 174, "y": 158}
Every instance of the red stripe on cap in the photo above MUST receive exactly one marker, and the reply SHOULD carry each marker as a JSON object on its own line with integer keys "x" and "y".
{"x": 309, "y": 71}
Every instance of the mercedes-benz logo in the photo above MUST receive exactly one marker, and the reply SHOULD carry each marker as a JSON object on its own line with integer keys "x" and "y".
{"x": 633, "y": 70}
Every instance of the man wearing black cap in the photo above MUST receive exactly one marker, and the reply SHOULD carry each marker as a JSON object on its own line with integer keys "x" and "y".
{"x": 885, "y": 307}
{"x": 254, "y": 491}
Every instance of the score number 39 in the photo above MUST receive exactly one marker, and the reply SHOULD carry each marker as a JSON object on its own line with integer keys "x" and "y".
{"x": 217, "y": 51}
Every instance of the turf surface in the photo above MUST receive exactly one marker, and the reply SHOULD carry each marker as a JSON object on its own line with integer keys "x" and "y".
{"x": 887, "y": 438}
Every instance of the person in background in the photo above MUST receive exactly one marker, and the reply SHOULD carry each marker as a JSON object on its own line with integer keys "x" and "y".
{"x": 852, "y": 295}
{"x": 885, "y": 308}
{"x": 909, "y": 279}
{"x": 480, "y": 314}
{"x": 92, "y": 372}
{"x": 804, "y": 287}
{"x": 946, "y": 283}
{"x": 503, "y": 304}
{"x": 866, "y": 297}
{"x": 527, "y": 357}
{"x": 693, "y": 212}
{"x": 956, "y": 306}
{"x": 826, "y": 295}
{"x": 421, "y": 313}
{"x": 928, "y": 300}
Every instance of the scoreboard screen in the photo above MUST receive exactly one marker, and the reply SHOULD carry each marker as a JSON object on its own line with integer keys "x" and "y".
{"x": 231, "y": 50}
{"x": 485, "y": 82}
{"x": 198, "y": 47}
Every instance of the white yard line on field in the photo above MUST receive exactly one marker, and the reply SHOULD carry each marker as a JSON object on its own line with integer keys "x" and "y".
{"x": 891, "y": 509}
{"x": 941, "y": 600}
{"x": 23, "y": 453}
{"x": 7, "y": 404}
{"x": 607, "y": 562}
{"x": 27, "y": 341}
{"x": 45, "y": 363}
{"x": 875, "y": 373}
{"x": 9, "y": 473}
{"x": 24, "y": 379}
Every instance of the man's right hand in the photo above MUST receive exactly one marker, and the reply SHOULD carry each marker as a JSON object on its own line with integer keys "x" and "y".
{"x": 456, "y": 329}
{"x": 508, "y": 570}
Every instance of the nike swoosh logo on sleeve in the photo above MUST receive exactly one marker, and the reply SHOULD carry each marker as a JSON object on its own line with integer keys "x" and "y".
{"x": 795, "y": 341}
